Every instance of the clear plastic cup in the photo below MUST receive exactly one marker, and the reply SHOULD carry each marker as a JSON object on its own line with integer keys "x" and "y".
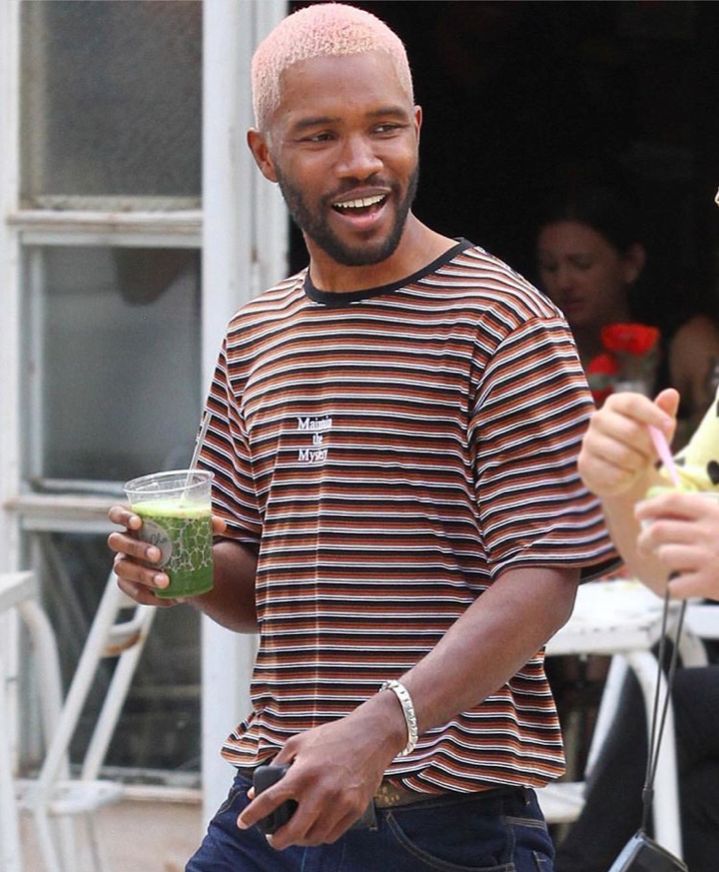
{"x": 176, "y": 516}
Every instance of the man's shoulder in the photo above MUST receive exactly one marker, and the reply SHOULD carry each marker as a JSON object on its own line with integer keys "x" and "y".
{"x": 275, "y": 298}
{"x": 477, "y": 274}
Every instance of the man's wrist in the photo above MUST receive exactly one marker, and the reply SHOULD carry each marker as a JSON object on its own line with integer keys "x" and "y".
{"x": 408, "y": 711}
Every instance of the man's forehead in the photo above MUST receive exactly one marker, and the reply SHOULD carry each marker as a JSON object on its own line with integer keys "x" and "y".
{"x": 365, "y": 77}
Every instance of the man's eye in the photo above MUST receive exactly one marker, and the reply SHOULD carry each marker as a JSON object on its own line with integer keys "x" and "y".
{"x": 317, "y": 137}
{"x": 387, "y": 128}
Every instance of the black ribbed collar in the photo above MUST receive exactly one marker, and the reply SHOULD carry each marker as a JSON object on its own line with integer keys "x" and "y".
{"x": 344, "y": 298}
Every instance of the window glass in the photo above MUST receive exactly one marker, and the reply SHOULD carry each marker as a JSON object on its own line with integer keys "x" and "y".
{"x": 112, "y": 362}
{"x": 111, "y": 104}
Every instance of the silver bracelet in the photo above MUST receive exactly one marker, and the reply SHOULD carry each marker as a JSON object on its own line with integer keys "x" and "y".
{"x": 410, "y": 716}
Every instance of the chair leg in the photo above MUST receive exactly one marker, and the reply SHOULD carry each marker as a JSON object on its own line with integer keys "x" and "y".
{"x": 98, "y": 860}
{"x": 10, "y": 851}
{"x": 46, "y": 843}
{"x": 667, "y": 821}
{"x": 66, "y": 839}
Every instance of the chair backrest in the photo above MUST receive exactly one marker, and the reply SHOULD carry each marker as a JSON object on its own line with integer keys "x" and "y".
{"x": 109, "y": 636}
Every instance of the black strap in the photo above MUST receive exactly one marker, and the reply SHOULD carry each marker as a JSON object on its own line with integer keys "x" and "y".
{"x": 657, "y": 728}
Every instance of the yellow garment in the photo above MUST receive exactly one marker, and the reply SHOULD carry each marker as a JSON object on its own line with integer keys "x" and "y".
{"x": 698, "y": 462}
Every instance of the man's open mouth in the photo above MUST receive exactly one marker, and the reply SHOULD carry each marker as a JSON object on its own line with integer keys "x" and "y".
{"x": 359, "y": 205}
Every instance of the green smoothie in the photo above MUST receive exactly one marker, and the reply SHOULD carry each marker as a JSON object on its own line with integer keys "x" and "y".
{"x": 183, "y": 533}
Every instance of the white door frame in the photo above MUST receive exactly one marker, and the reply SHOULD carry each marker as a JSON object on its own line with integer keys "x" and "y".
{"x": 244, "y": 250}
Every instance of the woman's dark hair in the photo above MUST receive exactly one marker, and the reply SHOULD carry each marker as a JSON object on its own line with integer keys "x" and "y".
{"x": 600, "y": 195}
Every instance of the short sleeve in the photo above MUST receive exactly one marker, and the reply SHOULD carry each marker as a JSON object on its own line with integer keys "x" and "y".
{"x": 225, "y": 451}
{"x": 531, "y": 412}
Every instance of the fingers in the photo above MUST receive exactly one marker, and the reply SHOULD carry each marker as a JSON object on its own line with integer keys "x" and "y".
{"x": 320, "y": 817}
{"x": 695, "y": 506}
{"x": 132, "y": 547}
{"x": 694, "y": 584}
{"x": 610, "y": 462}
{"x": 681, "y": 530}
{"x": 134, "y": 559}
{"x": 617, "y": 448}
{"x": 330, "y": 834}
{"x": 135, "y": 572}
{"x": 642, "y": 410}
{"x": 219, "y": 525}
{"x": 316, "y": 820}
{"x": 668, "y": 401}
{"x": 141, "y": 593}
{"x": 263, "y": 805}
{"x": 123, "y": 517}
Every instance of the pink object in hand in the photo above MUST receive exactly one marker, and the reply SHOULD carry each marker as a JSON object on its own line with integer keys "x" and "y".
{"x": 665, "y": 454}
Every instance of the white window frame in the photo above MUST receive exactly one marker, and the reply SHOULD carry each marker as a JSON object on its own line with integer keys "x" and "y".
{"x": 242, "y": 232}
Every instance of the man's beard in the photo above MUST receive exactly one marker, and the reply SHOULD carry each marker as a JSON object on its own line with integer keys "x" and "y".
{"x": 315, "y": 225}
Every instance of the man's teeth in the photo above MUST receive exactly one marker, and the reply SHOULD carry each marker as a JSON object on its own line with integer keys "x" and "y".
{"x": 360, "y": 203}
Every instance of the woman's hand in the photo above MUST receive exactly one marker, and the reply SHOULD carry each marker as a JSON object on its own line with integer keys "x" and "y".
{"x": 682, "y": 531}
{"x": 617, "y": 453}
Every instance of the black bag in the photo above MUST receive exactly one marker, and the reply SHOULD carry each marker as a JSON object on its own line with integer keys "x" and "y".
{"x": 642, "y": 853}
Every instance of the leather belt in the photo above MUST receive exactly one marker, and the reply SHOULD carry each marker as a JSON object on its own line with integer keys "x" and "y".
{"x": 393, "y": 795}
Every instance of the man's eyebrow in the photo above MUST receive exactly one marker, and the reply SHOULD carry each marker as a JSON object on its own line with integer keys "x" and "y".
{"x": 313, "y": 121}
{"x": 320, "y": 120}
{"x": 389, "y": 110}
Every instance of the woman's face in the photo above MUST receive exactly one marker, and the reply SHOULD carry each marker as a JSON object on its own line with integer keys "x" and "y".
{"x": 586, "y": 275}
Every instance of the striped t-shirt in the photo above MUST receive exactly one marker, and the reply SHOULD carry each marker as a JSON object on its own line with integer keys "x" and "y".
{"x": 392, "y": 451}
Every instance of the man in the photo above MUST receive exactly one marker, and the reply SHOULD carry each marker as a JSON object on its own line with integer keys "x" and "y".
{"x": 393, "y": 433}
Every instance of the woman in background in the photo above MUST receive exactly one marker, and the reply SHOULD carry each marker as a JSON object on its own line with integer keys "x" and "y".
{"x": 590, "y": 257}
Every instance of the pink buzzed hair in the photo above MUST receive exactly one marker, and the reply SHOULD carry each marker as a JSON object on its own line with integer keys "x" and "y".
{"x": 316, "y": 31}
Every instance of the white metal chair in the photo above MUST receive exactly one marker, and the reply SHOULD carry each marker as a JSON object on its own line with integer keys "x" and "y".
{"x": 56, "y": 796}
{"x": 563, "y": 801}
{"x": 19, "y": 593}
{"x": 10, "y": 852}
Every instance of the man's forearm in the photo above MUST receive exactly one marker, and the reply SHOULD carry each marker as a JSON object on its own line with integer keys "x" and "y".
{"x": 231, "y": 602}
{"x": 490, "y": 642}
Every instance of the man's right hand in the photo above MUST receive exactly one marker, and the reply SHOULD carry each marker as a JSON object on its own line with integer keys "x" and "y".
{"x": 136, "y": 562}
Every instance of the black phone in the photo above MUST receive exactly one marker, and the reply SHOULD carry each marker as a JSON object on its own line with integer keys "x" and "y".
{"x": 265, "y": 776}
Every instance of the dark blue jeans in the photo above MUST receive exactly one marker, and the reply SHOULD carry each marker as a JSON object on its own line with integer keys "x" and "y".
{"x": 501, "y": 831}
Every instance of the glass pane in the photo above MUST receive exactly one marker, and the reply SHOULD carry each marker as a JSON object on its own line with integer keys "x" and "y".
{"x": 111, "y": 104}
{"x": 113, "y": 361}
{"x": 159, "y": 728}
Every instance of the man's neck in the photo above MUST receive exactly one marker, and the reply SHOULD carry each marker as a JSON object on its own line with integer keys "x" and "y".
{"x": 417, "y": 247}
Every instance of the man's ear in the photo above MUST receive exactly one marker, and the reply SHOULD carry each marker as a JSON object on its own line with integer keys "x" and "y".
{"x": 261, "y": 152}
{"x": 418, "y": 120}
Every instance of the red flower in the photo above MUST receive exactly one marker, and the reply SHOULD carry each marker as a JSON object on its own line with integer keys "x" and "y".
{"x": 634, "y": 339}
{"x": 603, "y": 364}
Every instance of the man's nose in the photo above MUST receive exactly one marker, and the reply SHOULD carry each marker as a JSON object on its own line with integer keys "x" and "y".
{"x": 358, "y": 158}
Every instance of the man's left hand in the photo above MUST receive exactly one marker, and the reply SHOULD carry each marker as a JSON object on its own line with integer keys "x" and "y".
{"x": 336, "y": 770}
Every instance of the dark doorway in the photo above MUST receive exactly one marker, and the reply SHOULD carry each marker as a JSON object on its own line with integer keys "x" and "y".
{"x": 512, "y": 89}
